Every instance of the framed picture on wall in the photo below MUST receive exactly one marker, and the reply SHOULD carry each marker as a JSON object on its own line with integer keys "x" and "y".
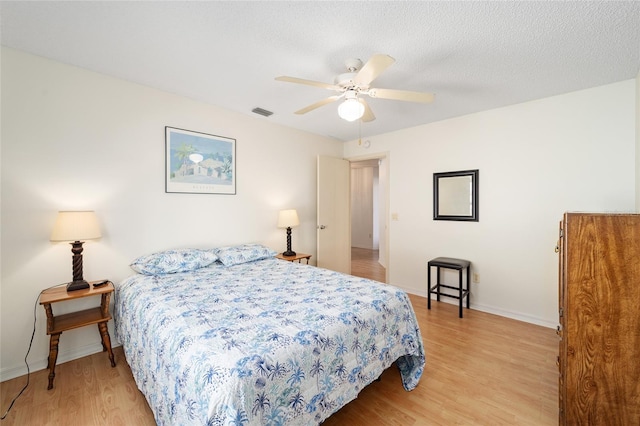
{"x": 199, "y": 163}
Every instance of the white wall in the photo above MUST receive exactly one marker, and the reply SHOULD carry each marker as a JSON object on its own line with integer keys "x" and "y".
{"x": 73, "y": 139}
{"x": 536, "y": 160}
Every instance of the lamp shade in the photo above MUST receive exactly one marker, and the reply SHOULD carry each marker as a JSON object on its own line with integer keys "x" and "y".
{"x": 76, "y": 226}
{"x": 288, "y": 219}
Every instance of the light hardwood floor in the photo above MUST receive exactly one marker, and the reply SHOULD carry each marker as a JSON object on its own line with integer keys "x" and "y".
{"x": 364, "y": 263}
{"x": 481, "y": 370}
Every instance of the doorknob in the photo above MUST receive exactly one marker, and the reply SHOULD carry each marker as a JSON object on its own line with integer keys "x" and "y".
{"x": 321, "y": 227}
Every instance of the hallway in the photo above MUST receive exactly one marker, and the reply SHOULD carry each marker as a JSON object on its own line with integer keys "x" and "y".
{"x": 364, "y": 263}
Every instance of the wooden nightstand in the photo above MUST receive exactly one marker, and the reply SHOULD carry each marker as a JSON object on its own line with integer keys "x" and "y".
{"x": 56, "y": 324}
{"x": 298, "y": 257}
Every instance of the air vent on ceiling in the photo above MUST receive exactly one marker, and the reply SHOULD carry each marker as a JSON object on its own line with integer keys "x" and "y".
{"x": 262, "y": 112}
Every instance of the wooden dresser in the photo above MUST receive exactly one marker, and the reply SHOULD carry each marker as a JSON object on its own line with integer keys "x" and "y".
{"x": 599, "y": 327}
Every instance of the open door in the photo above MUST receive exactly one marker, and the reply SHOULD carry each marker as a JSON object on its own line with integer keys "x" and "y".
{"x": 334, "y": 216}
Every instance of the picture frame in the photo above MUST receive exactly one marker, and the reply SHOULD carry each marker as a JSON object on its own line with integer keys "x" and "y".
{"x": 199, "y": 163}
{"x": 455, "y": 195}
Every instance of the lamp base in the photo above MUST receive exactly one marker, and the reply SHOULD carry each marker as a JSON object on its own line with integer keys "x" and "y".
{"x": 77, "y": 285}
{"x": 289, "y": 253}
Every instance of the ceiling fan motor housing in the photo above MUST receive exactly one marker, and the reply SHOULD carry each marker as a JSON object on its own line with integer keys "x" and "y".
{"x": 346, "y": 80}
{"x": 353, "y": 64}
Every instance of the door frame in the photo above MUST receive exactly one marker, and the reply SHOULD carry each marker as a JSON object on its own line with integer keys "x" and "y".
{"x": 385, "y": 208}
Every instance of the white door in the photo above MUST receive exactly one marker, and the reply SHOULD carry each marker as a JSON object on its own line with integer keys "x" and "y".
{"x": 334, "y": 216}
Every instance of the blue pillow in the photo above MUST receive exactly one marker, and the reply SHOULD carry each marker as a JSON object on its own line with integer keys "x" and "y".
{"x": 235, "y": 255}
{"x": 172, "y": 261}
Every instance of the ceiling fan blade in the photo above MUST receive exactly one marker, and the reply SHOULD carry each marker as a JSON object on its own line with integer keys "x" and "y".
{"x": 318, "y": 104}
{"x": 309, "y": 82}
{"x": 368, "y": 114}
{"x": 401, "y": 95}
{"x": 373, "y": 68}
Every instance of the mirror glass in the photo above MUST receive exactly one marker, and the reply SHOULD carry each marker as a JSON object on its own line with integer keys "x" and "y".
{"x": 455, "y": 195}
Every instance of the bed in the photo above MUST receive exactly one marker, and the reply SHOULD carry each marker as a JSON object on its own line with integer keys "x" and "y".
{"x": 234, "y": 336}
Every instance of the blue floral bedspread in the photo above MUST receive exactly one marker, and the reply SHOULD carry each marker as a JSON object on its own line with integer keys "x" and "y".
{"x": 267, "y": 342}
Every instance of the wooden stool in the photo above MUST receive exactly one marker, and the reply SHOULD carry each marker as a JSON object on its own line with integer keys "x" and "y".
{"x": 448, "y": 263}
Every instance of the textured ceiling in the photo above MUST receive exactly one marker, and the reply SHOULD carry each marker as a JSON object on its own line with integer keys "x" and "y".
{"x": 473, "y": 55}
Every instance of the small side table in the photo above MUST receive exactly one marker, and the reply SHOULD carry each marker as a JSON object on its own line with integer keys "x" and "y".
{"x": 56, "y": 324}
{"x": 298, "y": 257}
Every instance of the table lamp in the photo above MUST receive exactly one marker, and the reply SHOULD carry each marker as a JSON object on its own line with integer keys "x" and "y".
{"x": 76, "y": 226}
{"x": 288, "y": 219}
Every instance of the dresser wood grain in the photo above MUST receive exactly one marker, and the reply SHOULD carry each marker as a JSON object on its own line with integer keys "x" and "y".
{"x": 599, "y": 311}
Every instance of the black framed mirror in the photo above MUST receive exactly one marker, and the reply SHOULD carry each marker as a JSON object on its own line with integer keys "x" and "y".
{"x": 455, "y": 195}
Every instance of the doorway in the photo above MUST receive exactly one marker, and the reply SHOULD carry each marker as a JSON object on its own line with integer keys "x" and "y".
{"x": 368, "y": 218}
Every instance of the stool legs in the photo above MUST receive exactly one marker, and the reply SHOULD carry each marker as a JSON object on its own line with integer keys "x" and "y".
{"x": 428, "y": 287}
{"x": 460, "y": 293}
{"x": 438, "y": 282}
{"x": 468, "y": 281}
{"x": 436, "y": 288}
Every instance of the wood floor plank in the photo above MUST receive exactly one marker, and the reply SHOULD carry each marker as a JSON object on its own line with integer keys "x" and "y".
{"x": 481, "y": 370}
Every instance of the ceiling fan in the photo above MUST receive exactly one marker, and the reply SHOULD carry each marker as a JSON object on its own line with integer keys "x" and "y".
{"x": 355, "y": 83}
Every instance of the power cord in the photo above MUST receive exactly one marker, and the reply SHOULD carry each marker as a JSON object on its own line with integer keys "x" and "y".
{"x": 33, "y": 333}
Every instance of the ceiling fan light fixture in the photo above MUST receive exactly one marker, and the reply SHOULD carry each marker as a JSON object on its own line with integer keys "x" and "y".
{"x": 357, "y": 81}
{"x": 351, "y": 109}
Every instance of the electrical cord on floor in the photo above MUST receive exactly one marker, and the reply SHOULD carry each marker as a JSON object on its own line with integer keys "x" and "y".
{"x": 33, "y": 333}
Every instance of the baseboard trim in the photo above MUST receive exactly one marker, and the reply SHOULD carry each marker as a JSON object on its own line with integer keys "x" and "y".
{"x": 41, "y": 364}
{"x": 498, "y": 311}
